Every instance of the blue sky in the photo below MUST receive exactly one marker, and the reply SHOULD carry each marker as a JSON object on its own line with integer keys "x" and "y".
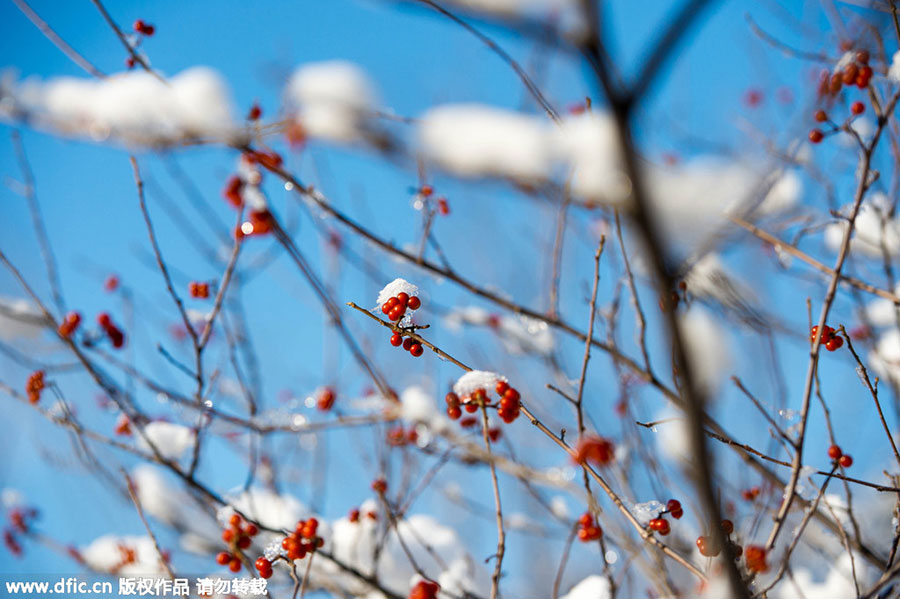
{"x": 417, "y": 59}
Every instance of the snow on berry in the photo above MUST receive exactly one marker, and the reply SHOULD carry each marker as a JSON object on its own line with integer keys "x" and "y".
{"x": 394, "y": 288}
{"x": 644, "y": 512}
{"x": 470, "y": 382}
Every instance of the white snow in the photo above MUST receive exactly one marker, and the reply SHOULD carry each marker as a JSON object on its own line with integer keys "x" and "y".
{"x": 894, "y": 70}
{"x": 18, "y": 319}
{"x": 332, "y": 100}
{"x": 707, "y": 345}
{"x": 882, "y": 312}
{"x": 519, "y": 334}
{"x": 871, "y": 230}
{"x": 267, "y": 507}
{"x": 171, "y": 440}
{"x": 592, "y": 587}
{"x": 646, "y": 511}
{"x": 395, "y": 287}
{"x": 477, "y": 379}
{"x": 107, "y": 553}
{"x": 587, "y": 146}
{"x": 473, "y": 140}
{"x": 672, "y": 438}
{"x": 885, "y": 360}
{"x": 417, "y": 406}
{"x": 133, "y": 107}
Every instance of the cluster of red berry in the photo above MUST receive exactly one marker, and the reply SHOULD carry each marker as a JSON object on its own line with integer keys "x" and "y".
{"x": 660, "y": 524}
{"x": 820, "y": 116}
{"x": 268, "y": 159}
{"x": 123, "y": 426}
{"x": 443, "y": 207}
{"x": 69, "y": 324}
{"x": 398, "y": 436}
{"x": 424, "y": 589}
{"x": 259, "y": 222}
{"x": 395, "y": 307}
{"x": 264, "y": 567}
{"x": 829, "y": 338}
{"x": 756, "y": 559}
{"x": 232, "y": 192}
{"x": 198, "y": 290}
{"x": 144, "y": 28}
{"x": 470, "y": 421}
{"x": 303, "y": 540}
{"x": 750, "y": 494}
{"x": 238, "y": 537}
{"x": 325, "y": 399}
{"x": 857, "y": 72}
{"x": 34, "y": 386}
{"x": 115, "y": 334}
{"x": 709, "y": 548}
{"x": 594, "y": 449}
{"x": 19, "y": 521}
{"x": 508, "y": 408}
{"x": 588, "y": 530}
{"x": 353, "y": 515}
{"x": 844, "y": 460}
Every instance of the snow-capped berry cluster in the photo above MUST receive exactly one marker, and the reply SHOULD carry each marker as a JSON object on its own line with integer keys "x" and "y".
{"x": 594, "y": 449}
{"x": 69, "y": 324}
{"x": 660, "y": 524}
{"x": 756, "y": 559}
{"x": 469, "y": 394}
{"x": 424, "y": 589}
{"x": 842, "y": 459}
{"x": 34, "y": 386}
{"x": 144, "y": 28}
{"x": 325, "y": 399}
{"x": 829, "y": 338}
{"x": 303, "y": 540}
{"x": 708, "y": 547}
{"x": 239, "y": 536}
{"x": 391, "y": 294}
{"x": 588, "y": 530}
{"x": 115, "y": 334}
{"x": 123, "y": 426}
{"x": 852, "y": 69}
{"x": 198, "y": 290}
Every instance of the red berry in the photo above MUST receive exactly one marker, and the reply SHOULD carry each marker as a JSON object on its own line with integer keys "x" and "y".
{"x": 424, "y": 589}
{"x": 403, "y": 298}
{"x": 414, "y": 303}
{"x": 326, "y": 399}
{"x": 244, "y": 542}
{"x": 408, "y": 343}
{"x": 251, "y": 530}
{"x": 707, "y": 547}
{"x": 673, "y": 506}
{"x": 850, "y": 74}
{"x": 379, "y": 485}
{"x": 255, "y": 112}
{"x": 857, "y": 108}
{"x": 386, "y": 308}
{"x": 756, "y": 559}
{"x": 454, "y": 412}
{"x": 594, "y": 449}
{"x": 396, "y": 340}
{"x": 235, "y": 565}
{"x": 727, "y": 527}
{"x": 416, "y": 350}
{"x": 443, "y": 206}
{"x": 223, "y": 558}
{"x": 263, "y": 564}
{"x": 353, "y": 516}
{"x": 426, "y": 190}
{"x": 845, "y": 461}
{"x": 816, "y": 135}
{"x": 820, "y": 116}
{"x": 834, "y": 452}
